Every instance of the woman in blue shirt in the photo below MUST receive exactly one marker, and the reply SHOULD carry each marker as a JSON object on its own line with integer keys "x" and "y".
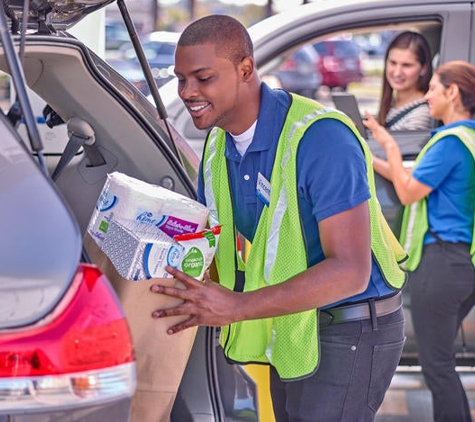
{"x": 442, "y": 185}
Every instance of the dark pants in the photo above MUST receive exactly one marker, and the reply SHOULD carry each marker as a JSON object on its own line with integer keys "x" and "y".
{"x": 357, "y": 363}
{"x": 442, "y": 291}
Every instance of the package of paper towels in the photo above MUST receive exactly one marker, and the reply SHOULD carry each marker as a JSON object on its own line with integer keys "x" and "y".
{"x": 127, "y": 200}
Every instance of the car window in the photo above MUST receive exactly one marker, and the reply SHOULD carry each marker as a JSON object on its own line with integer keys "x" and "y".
{"x": 48, "y": 269}
{"x": 351, "y": 61}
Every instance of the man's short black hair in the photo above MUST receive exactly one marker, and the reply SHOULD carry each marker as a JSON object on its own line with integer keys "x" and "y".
{"x": 230, "y": 37}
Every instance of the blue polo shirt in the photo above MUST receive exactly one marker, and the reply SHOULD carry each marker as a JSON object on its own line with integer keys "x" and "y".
{"x": 448, "y": 168}
{"x": 331, "y": 177}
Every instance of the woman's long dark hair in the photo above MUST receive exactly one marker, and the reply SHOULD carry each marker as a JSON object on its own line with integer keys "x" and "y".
{"x": 418, "y": 44}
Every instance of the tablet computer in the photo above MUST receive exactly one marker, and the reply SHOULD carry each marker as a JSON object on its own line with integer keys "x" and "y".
{"x": 347, "y": 103}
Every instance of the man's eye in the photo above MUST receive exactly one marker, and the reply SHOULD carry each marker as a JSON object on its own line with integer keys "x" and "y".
{"x": 205, "y": 79}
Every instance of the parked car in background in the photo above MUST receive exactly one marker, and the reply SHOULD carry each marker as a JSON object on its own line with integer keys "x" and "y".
{"x": 300, "y": 72}
{"x": 339, "y": 63}
{"x": 116, "y": 34}
{"x": 131, "y": 70}
{"x": 159, "y": 49}
{"x": 442, "y": 22}
{"x": 374, "y": 44}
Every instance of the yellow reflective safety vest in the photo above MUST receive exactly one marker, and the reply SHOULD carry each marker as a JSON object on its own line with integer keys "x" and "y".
{"x": 415, "y": 223}
{"x": 290, "y": 342}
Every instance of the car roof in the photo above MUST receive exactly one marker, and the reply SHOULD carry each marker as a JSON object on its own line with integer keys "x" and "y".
{"x": 264, "y": 30}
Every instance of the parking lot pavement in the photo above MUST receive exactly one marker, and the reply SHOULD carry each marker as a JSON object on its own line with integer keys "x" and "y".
{"x": 408, "y": 398}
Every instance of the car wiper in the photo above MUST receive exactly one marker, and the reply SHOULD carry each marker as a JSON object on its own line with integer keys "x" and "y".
{"x": 147, "y": 73}
{"x": 18, "y": 78}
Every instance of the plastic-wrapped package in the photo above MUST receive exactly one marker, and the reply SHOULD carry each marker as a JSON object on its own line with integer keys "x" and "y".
{"x": 139, "y": 251}
{"x": 126, "y": 200}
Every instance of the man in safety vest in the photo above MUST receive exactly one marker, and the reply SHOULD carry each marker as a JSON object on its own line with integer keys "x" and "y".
{"x": 318, "y": 298}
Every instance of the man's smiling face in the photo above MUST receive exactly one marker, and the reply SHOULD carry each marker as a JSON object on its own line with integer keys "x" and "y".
{"x": 208, "y": 85}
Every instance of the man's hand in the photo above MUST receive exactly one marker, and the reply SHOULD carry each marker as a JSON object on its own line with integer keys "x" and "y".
{"x": 206, "y": 302}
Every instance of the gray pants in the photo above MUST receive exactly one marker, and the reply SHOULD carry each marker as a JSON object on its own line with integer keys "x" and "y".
{"x": 357, "y": 362}
{"x": 442, "y": 291}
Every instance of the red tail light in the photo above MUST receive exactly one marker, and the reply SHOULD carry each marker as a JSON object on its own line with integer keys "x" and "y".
{"x": 83, "y": 349}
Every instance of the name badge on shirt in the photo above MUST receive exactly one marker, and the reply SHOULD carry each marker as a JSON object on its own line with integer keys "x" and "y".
{"x": 263, "y": 189}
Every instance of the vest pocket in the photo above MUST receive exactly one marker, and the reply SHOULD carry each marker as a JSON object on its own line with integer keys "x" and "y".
{"x": 247, "y": 341}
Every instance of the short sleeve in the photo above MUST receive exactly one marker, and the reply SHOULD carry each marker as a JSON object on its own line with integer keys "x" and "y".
{"x": 439, "y": 161}
{"x": 331, "y": 169}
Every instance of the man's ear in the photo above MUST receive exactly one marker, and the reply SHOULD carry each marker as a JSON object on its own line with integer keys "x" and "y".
{"x": 246, "y": 68}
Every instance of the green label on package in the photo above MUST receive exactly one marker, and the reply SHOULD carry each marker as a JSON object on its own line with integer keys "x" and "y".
{"x": 193, "y": 262}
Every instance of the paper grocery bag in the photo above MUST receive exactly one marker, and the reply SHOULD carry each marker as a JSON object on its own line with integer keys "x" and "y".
{"x": 161, "y": 358}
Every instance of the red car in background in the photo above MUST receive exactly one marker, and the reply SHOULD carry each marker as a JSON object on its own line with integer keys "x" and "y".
{"x": 339, "y": 63}
{"x": 299, "y": 73}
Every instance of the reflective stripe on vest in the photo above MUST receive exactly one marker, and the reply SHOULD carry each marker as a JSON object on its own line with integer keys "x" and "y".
{"x": 208, "y": 175}
{"x": 289, "y": 343}
{"x": 415, "y": 223}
